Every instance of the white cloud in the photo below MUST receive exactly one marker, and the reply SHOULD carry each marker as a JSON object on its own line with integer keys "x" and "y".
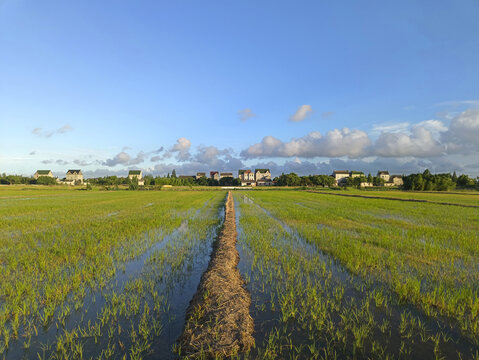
{"x": 420, "y": 143}
{"x": 433, "y": 125}
{"x": 335, "y": 143}
{"x": 182, "y": 147}
{"x": 62, "y": 162}
{"x": 121, "y": 158}
{"x": 464, "y": 130}
{"x": 302, "y": 113}
{"x": 182, "y": 144}
{"x": 245, "y": 114}
{"x": 390, "y": 127}
{"x": 81, "y": 162}
{"x": 47, "y": 134}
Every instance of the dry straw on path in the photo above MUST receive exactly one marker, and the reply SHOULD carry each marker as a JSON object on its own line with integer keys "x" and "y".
{"x": 218, "y": 323}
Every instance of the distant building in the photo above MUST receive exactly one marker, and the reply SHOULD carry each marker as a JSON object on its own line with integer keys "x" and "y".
{"x": 200, "y": 175}
{"x": 384, "y": 175}
{"x": 354, "y": 174}
{"x": 74, "y": 176}
{"x": 246, "y": 177}
{"x": 366, "y": 184}
{"x": 264, "y": 182}
{"x": 136, "y": 174}
{"x": 226, "y": 175}
{"x": 262, "y": 174}
{"x": 215, "y": 175}
{"x": 397, "y": 180}
{"x": 191, "y": 177}
{"x": 340, "y": 176}
{"x": 39, "y": 173}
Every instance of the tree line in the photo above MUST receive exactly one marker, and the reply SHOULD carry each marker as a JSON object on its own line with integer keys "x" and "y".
{"x": 427, "y": 181}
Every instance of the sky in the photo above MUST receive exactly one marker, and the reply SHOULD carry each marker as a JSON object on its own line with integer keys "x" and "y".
{"x": 294, "y": 86}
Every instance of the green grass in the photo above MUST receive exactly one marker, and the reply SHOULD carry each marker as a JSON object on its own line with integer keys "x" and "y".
{"x": 109, "y": 274}
{"x": 393, "y": 258}
{"x": 454, "y": 197}
{"x": 58, "y": 247}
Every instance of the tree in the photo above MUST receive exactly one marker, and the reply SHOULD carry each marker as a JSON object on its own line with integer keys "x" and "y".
{"x": 149, "y": 180}
{"x": 464, "y": 181}
{"x": 378, "y": 181}
{"x": 46, "y": 180}
{"x": 173, "y": 173}
{"x": 133, "y": 184}
{"x": 454, "y": 177}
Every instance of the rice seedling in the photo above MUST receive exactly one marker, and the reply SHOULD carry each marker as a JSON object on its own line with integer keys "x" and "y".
{"x": 99, "y": 285}
{"x": 345, "y": 277}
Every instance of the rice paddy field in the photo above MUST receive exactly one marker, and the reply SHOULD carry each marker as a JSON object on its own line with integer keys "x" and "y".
{"x": 110, "y": 274}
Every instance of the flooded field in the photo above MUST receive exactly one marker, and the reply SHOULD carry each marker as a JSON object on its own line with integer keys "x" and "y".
{"x": 110, "y": 275}
{"x": 79, "y": 282}
{"x": 337, "y": 277}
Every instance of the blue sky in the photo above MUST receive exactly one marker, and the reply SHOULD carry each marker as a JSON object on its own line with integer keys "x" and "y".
{"x": 306, "y": 86}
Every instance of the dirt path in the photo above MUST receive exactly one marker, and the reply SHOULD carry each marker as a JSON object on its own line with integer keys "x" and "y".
{"x": 393, "y": 198}
{"x": 218, "y": 322}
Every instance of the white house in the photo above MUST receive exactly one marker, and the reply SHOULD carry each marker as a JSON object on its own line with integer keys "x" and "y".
{"x": 246, "y": 177}
{"x": 262, "y": 174}
{"x": 136, "y": 174}
{"x": 74, "y": 176}
{"x": 226, "y": 174}
{"x": 340, "y": 176}
{"x": 39, "y": 173}
{"x": 384, "y": 175}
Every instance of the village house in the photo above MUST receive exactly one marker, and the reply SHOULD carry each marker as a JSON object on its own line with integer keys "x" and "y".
{"x": 246, "y": 177}
{"x": 215, "y": 175}
{"x": 199, "y": 175}
{"x": 262, "y": 174}
{"x": 74, "y": 177}
{"x": 226, "y": 175}
{"x": 136, "y": 174}
{"x": 394, "y": 180}
{"x": 397, "y": 180}
{"x": 39, "y": 173}
{"x": 340, "y": 176}
{"x": 355, "y": 174}
{"x": 383, "y": 175}
{"x": 263, "y": 177}
{"x": 264, "y": 182}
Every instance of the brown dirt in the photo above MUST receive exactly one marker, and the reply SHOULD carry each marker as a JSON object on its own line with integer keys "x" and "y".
{"x": 218, "y": 323}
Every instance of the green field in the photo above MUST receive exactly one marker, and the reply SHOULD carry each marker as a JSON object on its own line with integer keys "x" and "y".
{"x": 352, "y": 277}
{"x": 109, "y": 274}
{"x": 458, "y": 197}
